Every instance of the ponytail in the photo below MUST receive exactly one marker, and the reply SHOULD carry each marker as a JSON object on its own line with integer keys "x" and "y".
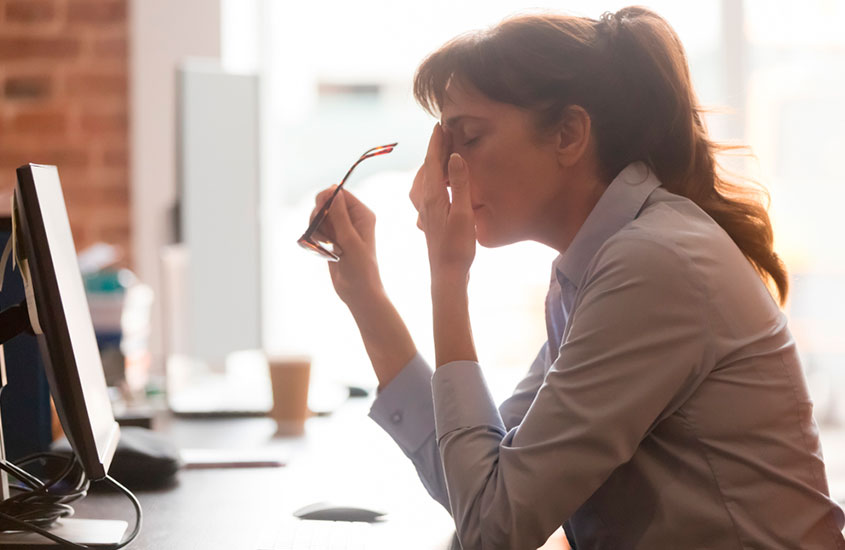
{"x": 652, "y": 67}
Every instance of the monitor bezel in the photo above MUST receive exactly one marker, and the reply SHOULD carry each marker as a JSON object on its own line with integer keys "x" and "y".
{"x": 55, "y": 342}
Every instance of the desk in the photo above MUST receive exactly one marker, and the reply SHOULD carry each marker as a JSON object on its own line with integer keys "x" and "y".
{"x": 343, "y": 458}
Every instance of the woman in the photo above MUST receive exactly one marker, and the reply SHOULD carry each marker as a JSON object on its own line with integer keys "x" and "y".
{"x": 668, "y": 408}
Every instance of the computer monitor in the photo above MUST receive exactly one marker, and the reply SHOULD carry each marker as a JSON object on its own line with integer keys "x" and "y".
{"x": 56, "y": 311}
{"x": 66, "y": 336}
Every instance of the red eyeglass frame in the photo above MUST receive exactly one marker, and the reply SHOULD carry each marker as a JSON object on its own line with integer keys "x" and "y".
{"x": 307, "y": 240}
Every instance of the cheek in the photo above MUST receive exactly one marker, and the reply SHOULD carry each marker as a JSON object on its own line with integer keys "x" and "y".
{"x": 494, "y": 180}
{"x": 509, "y": 193}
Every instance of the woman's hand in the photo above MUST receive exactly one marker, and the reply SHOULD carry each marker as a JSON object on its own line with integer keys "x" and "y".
{"x": 449, "y": 226}
{"x": 351, "y": 226}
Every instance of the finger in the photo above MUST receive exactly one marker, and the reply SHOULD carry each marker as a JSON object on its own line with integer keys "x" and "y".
{"x": 433, "y": 168}
{"x": 352, "y": 202}
{"x": 459, "y": 181}
{"x": 321, "y": 197}
{"x": 344, "y": 230}
{"x": 434, "y": 180}
{"x": 434, "y": 153}
{"x": 416, "y": 194}
{"x": 361, "y": 216}
{"x": 446, "y": 151}
{"x": 320, "y": 200}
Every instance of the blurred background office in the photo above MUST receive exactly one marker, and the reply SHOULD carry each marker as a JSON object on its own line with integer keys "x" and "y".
{"x": 125, "y": 96}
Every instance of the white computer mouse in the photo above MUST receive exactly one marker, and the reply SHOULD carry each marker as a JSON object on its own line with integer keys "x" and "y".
{"x": 327, "y": 511}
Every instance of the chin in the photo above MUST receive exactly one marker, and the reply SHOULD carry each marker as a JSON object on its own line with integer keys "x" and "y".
{"x": 490, "y": 239}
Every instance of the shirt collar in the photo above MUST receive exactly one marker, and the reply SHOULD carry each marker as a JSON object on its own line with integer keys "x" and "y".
{"x": 619, "y": 205}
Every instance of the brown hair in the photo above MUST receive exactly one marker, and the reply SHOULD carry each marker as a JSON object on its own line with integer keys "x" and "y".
{"x": 629, "y": 71}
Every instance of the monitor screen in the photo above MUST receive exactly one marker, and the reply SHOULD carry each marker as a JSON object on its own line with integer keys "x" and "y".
{"x": 61, "y": 319}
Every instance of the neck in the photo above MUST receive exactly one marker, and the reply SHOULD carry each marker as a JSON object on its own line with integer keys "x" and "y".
{"x": 568, "y": 212}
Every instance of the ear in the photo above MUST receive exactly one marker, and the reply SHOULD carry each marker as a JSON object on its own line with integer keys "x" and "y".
{"x": 574, "y": 135}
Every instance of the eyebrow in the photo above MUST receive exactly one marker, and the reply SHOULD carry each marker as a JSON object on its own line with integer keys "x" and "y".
{"x": 451, "y": 122}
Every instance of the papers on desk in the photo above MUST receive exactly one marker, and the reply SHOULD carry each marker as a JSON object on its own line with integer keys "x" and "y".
{"x": 231, "y": 458}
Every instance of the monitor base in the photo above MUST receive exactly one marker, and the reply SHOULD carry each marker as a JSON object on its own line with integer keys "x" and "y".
{"x": 93, "y": 532}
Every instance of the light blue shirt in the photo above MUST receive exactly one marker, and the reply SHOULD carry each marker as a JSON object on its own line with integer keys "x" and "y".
{"x": 667, "y": 410}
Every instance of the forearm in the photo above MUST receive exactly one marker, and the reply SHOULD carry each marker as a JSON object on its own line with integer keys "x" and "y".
{"x": 452, "y": 328}
{"x": 386, "y": 338}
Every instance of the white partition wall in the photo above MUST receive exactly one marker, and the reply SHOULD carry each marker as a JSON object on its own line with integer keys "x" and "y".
{"x": 218, "y": 186}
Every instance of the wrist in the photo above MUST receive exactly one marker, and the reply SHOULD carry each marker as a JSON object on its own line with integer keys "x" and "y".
{"x": 368, "y": 301}
{"x": 449, "y": 282}
{"x": 363, "y": 293}
{"x": 385, "y": 336}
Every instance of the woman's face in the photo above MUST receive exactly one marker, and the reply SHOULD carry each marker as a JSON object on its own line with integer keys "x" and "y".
{"x": 514, "y": 173}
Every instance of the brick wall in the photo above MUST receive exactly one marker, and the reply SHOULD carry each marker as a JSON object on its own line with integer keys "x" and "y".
{"x": 64, "y": 101}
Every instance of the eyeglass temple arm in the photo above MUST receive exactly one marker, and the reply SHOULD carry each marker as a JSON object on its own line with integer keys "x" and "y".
{"x": 374, "y": 152}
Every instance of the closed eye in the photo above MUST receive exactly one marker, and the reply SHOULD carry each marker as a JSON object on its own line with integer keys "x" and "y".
{"x": 472, "y": 141}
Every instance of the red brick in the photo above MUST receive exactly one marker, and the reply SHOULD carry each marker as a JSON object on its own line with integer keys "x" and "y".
{"x": 9, "y": 160}
{"x": 78, "y": 231}
{"x": 27, "y": 87}
{"x": 98, "y": 201}
{"x": 99, "y": 215}
{"x": 116, "y": 158}
{"x": 95, "y": 179}
{"x": 111, "y": 47}
{"x": 116, "y": 197}
{"x": 30, "y": 11}
{"x": 115, "y": 234}
{"x": 64, "y": 101}
{"x": 63, "y": 158}
{"x": 103, "y": 123}
{"x": 97, "y": 83}
{"x": 44, "y": 122}
{"x": 23, "y": 48}
{"x": 97, "y": 12}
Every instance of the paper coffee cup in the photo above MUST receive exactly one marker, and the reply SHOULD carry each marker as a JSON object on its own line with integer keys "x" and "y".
{"x": 289, "y": 378}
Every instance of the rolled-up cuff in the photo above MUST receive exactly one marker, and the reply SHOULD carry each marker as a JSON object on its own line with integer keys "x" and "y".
{"x": 404, "y": 408}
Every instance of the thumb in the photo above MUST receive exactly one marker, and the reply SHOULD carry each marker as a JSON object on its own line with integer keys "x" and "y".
{"x": 459, "y": 182}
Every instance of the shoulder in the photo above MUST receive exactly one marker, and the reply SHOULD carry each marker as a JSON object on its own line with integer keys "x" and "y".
{"x": 654, "y": 261}
{"x": 671, "y": 235}
{"x": 643, "y": 253}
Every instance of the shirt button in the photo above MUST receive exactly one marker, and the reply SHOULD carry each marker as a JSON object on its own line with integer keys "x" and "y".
{"x": 397, "y": 417}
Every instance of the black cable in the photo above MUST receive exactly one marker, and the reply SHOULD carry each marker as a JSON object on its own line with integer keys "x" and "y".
{"x": 37, "y": 507}
{"x": 44, "y": 503}
{"x": 22, "y": 475}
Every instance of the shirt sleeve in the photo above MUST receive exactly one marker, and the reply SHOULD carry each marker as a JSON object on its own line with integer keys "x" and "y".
{"x": 513, "y": 409}
{"x": 405, "y": 410}
{"x": 637, "y": 347}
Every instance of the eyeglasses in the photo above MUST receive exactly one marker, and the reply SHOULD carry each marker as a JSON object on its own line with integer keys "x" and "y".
{"x": 326, "y": 249}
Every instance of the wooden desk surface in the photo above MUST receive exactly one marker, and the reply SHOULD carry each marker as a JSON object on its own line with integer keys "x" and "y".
{"x": 344, "y": 458}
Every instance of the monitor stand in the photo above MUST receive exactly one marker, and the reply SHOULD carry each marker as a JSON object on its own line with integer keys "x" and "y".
{"x": 92, "y": 532}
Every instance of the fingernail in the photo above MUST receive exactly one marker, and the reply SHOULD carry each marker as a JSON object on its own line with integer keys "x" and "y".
{"x": 456, "y": 162}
